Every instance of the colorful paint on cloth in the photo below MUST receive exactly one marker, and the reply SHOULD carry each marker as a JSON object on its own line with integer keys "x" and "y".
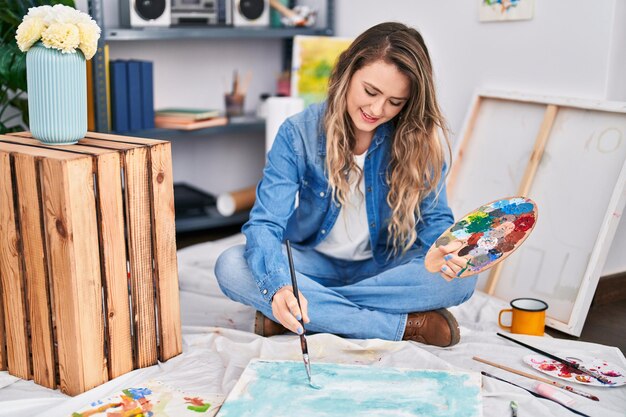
{"x": 615, "y": 374}
{"x": 152, "y": 399}
{"x": 490, "y": 233}
{"x": 281, "y": 389}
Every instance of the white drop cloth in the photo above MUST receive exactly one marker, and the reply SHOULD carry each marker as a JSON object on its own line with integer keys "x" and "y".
{"x": 218, "y": 343}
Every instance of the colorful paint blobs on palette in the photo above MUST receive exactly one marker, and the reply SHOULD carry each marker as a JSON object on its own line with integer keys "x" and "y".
{"x": 281, "y": 389}
{"x": 152, "y": 399}
{"x": 615, "y": 374}
{"x": 491, "y": 233}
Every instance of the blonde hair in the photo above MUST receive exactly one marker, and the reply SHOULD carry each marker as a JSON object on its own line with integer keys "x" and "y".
{"x": 417, "y": 155}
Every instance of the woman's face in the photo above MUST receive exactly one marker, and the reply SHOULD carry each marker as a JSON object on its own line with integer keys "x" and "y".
{"x": 376, "y": 94}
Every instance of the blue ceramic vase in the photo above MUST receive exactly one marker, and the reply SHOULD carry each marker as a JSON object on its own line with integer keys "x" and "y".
{"x": 57, "y": 95}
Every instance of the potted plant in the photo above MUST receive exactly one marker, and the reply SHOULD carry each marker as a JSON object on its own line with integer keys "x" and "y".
{"x": 13, "y": 100}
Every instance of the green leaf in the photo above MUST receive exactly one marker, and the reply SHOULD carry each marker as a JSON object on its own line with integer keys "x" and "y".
{"x": 68, "y": 3}
{"x": 12, "y": 67}
{"x": 14, "y": 10}
{"x": 6, "y": 59}
{"x": 17, "y": 74}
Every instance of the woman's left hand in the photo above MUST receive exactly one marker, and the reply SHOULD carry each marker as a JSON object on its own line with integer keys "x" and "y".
{"x": 452, "y": 264}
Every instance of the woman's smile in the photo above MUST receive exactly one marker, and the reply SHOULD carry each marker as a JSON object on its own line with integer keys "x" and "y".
{"x": 368, "y": 118}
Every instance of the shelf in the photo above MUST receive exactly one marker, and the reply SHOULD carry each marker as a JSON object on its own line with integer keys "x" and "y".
{"x": 236, "y": 125}
{"x": 172, "y": 33}
{"x": 212, "y": 220}
{"x": 196, "y": 210}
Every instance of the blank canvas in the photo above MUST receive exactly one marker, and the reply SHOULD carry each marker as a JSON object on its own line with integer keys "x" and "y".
{"x": 579, "y": 187}
{"x": 572, "y": 188}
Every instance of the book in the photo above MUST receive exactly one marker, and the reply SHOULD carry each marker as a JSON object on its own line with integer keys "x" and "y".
{"x": 119, "y": 101}
{"x": 147, "y": 94}
{"x": 171, "y": 123}
{"x": 188, "y": 113}
{"x": 107, "y": 87}
{"x": 133, "y": 72}
{"x": 180, "y": 120}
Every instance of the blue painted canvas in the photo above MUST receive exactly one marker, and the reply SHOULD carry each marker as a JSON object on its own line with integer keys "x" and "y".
{"x": 281, "y": 389}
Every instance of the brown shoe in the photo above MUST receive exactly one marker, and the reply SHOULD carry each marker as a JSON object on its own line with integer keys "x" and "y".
{"x": 267, "y": 327}
{"x": 437, "y": 328}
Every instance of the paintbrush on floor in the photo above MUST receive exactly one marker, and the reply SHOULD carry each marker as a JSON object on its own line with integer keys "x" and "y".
{"x": 536, "y": 394}
{"x": 537, "y": 378}
{"x": 303, "y": 344}
{"x": 577, "y": 366}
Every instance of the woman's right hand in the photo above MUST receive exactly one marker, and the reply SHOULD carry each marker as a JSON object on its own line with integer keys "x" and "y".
{"x": 285, "y": 309}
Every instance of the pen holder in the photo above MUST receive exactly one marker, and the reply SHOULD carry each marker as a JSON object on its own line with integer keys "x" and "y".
{"x": 234, "y": 104}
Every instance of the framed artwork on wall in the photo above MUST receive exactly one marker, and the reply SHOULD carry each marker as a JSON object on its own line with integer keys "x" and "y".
{"x": 313, "y": 60}
{"x": 499, "y": 10}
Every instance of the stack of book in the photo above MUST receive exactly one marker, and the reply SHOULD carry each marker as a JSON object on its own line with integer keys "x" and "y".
{"x": 188, "y": 118}
{"x": 132, "y": 97}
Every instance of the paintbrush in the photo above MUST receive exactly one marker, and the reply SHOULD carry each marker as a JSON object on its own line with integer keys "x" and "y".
{"x": 577, "y": 366}
{"x": 537, "y": 378}
{"x": 303, "y": 345}
{"x": 535, "y": 394}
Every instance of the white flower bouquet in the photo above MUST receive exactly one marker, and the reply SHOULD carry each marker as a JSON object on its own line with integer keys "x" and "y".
{"x": 60, "y": 27}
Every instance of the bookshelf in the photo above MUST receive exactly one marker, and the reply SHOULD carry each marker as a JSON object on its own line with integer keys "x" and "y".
{"x": 113, "y": 35}
{"x": 96, "y": 10}
{"x": 123, "y": 34}
{"x": 237, "y": 125}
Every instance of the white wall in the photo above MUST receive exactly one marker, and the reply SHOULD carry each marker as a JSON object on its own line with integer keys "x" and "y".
{"x": 616, "y": 82}
{"x": 563, "y": 50}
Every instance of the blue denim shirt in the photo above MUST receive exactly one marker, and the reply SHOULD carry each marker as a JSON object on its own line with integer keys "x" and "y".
{"x": 295, "y": 166}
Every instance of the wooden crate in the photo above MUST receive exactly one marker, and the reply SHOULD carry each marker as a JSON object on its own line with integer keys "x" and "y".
{"x": 87, "y": 259}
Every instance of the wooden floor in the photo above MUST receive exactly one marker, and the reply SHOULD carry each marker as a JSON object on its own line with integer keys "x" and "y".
{"x": 605, "y": 324}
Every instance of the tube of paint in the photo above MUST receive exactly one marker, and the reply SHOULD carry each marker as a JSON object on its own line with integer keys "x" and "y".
{"x": 553, "y": 393}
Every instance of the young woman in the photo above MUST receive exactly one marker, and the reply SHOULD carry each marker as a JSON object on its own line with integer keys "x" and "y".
{"x": 357, "y": 186}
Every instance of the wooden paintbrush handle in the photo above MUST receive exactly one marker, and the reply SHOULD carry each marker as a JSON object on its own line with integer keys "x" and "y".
{"x": 515, "y": 371}
{"x": 537, "y": 378}
{"x": 282, "y": 9}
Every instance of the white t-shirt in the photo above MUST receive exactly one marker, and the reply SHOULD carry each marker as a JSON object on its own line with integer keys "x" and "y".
{"x": 350, "y": 236}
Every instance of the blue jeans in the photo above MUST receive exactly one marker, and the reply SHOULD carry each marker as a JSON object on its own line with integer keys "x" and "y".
{"x": 354, "y": 299}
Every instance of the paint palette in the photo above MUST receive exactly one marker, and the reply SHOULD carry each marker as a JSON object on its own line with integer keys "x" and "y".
{"x": 556, "y": 369}
{"x": 488, "y": 235}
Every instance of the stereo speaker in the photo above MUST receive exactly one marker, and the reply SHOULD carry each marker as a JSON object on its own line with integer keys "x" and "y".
{"x": 251, "y": 13}
{"x": 141, "y": 13}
